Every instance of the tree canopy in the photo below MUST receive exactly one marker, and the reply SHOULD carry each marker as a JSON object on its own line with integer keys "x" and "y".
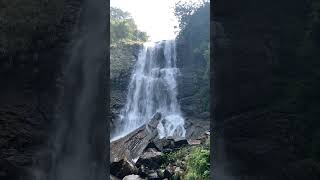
{"x": 123, "y": 27}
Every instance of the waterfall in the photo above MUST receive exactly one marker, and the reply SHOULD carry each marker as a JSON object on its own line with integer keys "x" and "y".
{"x": 153, "y": 88}
{"x": 77, "y": 145}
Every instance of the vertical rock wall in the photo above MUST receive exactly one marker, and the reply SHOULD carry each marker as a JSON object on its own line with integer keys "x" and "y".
{"x": 30, "y": 76}
{"x": 251, "y": 39}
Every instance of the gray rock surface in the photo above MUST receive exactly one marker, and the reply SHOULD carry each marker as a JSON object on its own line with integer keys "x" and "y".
{"x": 131, "y": 146}
{"x": 30, "y": 77}
{"x": 122, "y": 168}
{"x": 132, "y": 177}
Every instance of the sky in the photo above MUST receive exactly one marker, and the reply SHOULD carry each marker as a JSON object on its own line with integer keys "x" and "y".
{"x": 155, "y": 17}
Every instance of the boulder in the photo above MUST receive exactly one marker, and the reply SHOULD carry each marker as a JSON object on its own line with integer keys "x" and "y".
{"x": 151, "y": 159}
{"x": 175, "y": 143}
{"x": 159, "y": 144}
{"x": 122, "y": 168}
{"x": 195, "y": 126}
{"x": 194, "y": 142}
{"x": 113, "y": 177}
{"x": 133, "y": 145}
{"x": 145, "y": 172}
{"x": 168, "y": 173}
{"x": 153, "y": 175}
{"x": 179, "y": 142}
{"x": 168, "y": 144}
{"x": 132, "y": 177}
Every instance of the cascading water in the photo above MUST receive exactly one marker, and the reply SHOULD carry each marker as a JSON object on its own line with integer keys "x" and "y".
{"x": 153, "y": 88}
{"x": 77, "y": 146}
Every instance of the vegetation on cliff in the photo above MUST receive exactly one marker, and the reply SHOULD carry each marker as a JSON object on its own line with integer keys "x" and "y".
{"x": 193, "y": 161}
{"x": 123, "y": 28}
{"x": 126, "y": 40}
{"x": 194, "y": 35}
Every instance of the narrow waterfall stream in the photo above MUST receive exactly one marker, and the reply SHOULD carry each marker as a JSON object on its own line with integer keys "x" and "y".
{"x": 152, "y": 89}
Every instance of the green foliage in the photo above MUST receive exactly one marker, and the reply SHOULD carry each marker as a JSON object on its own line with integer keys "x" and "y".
{"x": 176, "y": 156}
{"x": 123, "y": 28}
{"x": 194, "y": 22}
{"x": 184, "y": 11}
{"x": 122, "y": 59}
{"x": 195, "y": 160}
{"x": 198, "y": 164}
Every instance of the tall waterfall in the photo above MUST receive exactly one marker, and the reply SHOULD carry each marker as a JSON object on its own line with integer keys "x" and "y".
{"x": 153, "y": 88}
{"x": 77, "y": 145}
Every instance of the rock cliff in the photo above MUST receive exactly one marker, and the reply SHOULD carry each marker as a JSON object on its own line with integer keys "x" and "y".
{"x": 260, "y": 125}
{"x": 33, "y": 49}
{"x": 122, "y": 59}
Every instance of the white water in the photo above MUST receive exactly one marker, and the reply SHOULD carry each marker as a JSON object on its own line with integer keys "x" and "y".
{"x": 153, "y": 88}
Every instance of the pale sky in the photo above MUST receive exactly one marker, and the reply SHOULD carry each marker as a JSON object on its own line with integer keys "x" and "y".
{"x": 152, "y": 16}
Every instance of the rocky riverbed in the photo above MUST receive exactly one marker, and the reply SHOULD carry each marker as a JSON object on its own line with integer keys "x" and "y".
{"x": 142, "y": 155}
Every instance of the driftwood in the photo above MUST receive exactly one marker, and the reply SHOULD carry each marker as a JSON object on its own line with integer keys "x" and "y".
{"x": 132, "y": 146}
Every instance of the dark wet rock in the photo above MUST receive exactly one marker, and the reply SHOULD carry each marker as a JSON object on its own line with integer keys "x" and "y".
{"x": 160, "y": 173}
{"x": 122, "y": 168}
{"x": 195, "y": 126}
{"x": 245, "y": 84}
{"x": 303, "y": 169}
{"x": 114, "y": 178}
{"x": 142, "y": 171}
{"x": 30, "y": 77}
{"x": 148, "y": 173}
{"x": 151, "y": 158}
{"x": 153, "y": 175}
{"x": 180, "y": 142}
{"x": 159, "y": 144}
{"x": 22, "y": 131}
{"x": 170, "y": 169}
{"x": 168, "y": 173}
{"x": 168, "y": 144}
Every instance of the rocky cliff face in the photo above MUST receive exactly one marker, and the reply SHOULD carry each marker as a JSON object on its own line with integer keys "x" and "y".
{"x": 192, "y": 90}
{"x": 33, "y": 41}
{"x": 122, "y": 60}
{"x": 256, "y": 127}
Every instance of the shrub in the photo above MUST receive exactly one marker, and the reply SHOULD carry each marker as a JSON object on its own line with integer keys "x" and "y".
{"x": 198, "y": 164}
